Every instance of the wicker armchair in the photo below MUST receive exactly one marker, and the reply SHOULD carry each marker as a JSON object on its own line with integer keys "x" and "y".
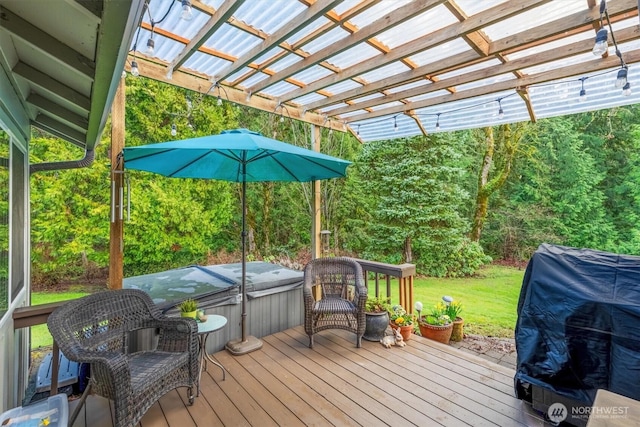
{"x": 341, "y": 299}
{"x": 96, "y": 329}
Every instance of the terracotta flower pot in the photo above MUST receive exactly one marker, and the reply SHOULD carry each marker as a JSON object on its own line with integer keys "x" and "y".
{"x": 405, "y": 331}
{"x": 437, "y": 333}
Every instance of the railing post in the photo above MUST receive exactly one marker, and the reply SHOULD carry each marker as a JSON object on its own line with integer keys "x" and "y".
{"x": 404, "y": 273}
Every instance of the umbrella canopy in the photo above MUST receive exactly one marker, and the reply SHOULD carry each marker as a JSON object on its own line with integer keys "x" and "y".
{"x": 225, "y": 155}
{"x": 236, "y": 155}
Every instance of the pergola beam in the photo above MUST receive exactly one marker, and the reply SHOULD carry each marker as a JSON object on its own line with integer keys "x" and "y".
{"x": 220, "y": 17}
{"x": 384, "y": 23}
{"x": 511, "y": 44}
{"x": 487, "y": 17}
{"x": 201, "y": 83}
{"x": 547, "y": 76}
{"x": 583, "y": 46}
{"x": 310, "y": 14}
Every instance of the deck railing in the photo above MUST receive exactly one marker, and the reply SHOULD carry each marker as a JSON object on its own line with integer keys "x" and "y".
{"x": 383, "y": 273}
{"x": 24, "y": 317}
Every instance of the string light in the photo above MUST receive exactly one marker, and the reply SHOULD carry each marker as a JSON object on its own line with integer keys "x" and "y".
{"x": 219, "y": 101}
{"x": 358, "y": 131}
{"x": 395, "y": 123}
{"x": 174, "y": 130}
{"x": 135, "y": 72}
{"x": 187, "y": 13}
{"x": 601, "y": 45}
{"x": 500, "y": 110}
{"x": 583, "y": 92}
{"x": 626, "y": 89}
{"x": 438, "y": 122}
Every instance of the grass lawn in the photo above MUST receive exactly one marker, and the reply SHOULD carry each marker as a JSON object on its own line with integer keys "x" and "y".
{"x": 40, "y": 336}
{"x": 489, "y": 300}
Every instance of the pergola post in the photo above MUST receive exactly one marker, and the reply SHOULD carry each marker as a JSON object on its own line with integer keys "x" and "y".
{"x": 316, "y": 240}
{"x": 116, "y": 232}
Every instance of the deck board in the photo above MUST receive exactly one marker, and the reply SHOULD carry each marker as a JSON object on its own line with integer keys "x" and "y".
{"x": 335, "y": 383}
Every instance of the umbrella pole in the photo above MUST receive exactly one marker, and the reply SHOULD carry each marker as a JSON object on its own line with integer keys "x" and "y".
{"x": 247, "y": 343}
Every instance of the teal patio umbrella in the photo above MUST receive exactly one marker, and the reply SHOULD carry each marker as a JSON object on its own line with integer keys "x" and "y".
{"x": 237, "y": 155}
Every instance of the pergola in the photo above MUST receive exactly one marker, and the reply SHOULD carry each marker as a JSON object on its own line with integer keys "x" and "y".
{"x": 383, "y": 69}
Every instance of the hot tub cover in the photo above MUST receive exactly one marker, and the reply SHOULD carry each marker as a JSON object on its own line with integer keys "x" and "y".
{"x": 578, "y": 327}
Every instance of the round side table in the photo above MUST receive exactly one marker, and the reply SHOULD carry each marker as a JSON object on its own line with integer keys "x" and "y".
{"x": 213, "y": 323}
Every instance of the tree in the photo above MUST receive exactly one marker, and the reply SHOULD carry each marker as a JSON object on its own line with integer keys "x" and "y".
{"x": 497, "y": 161}
{"x": 414, "y": 203}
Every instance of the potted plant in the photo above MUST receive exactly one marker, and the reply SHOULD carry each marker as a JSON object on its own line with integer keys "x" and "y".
{"x": 376, "y": 312}
{"x": 402, "y": 320}
{"x": 188, "y": 308}
{"x": 453, "y": 311}
{"x": 437, "y": 325}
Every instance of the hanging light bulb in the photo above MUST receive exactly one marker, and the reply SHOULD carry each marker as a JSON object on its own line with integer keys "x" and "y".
{"x": 151, "y": 44}
{"x": 187, "y": 13}
{"x": 500, "y": 110}
{"x": 281, "y": 118}
{"x": 626, "y": 89}
{"x": 601, "y": 45}
{"x": 189, "y": 103}
{"x": 174, "y": 130}
{"x": 124, "y": 74}
{"x": 583, "y": 92}
{"x": 358, "y": 130}
{"x": 395, "y": 124}
{"x": 438, "y": 123}
{"x": 219, "y": 101}
{"x": 621, "y": 80}
{"x": 135, "y": 72}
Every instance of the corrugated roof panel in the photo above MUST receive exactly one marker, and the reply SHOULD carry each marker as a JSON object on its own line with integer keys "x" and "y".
{"x": 207, "y": 64}
{"x": 556, "y": 44}
{"x": 440, "y": 52}
{"x": 387, "y": 105}
{"x": 312, "y": 74}
{"x": 485, "y": 82}
{"x": 565, "y": 62}
{"x": 257, "y": 77}
{"x": 307, "y": 99}
{"x": 268, "y": 55}
{"x": 429, "y": 95}
{"x": 327, "y": 39}
{"x": 421, "y": 25}
{"x": 476, "y": 67}
{"x": 384, "y": 72}
{"x": 279, "y": 88}
{"x": 343, "y": 86}
{"x": 419, "y": 83}
{"x": 374, "y": 95}
{"x": 285, "y": 62}
{"x": 472, "y": 7}
{"x": 346, "y": 5}
{"x": 533, "y": 18}
{"x": 387, "y": 129}
{"x": 172, "y": 22}
{"x": 268, "y": 16}
{"x": 313, "y": 26}
{"x": 376, "y": 12}
{"x": 232, "y": 41}
{"x": 355, "y": 55}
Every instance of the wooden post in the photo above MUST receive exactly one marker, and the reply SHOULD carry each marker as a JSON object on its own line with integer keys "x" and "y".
{"x": 315, "y": 204}
{"x": 116, "y": 237}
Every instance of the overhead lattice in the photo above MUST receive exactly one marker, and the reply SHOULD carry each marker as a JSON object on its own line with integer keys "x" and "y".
{"x": 390, "y": 68}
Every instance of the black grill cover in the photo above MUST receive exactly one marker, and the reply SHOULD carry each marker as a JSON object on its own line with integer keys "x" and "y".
{"x": 578, "y": 327}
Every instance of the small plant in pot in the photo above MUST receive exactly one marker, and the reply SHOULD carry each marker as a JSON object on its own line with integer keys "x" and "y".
{"x": 377, "y": 318}
{"x": 188, "y": 308}
{"x": 402, "y": 320}
{"x": 437, "y": 325}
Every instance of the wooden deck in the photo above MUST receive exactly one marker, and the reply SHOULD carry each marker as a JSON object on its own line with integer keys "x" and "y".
{"x": 287, "y": 384}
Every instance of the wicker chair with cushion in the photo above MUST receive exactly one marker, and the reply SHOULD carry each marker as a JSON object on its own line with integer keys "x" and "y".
{"x": 96, "y": 330}
{"x": 341, "y": 296}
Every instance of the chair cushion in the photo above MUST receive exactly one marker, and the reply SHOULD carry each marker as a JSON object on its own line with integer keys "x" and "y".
{"x": 148, "y": 367}
{"x": 333, "y": 305}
